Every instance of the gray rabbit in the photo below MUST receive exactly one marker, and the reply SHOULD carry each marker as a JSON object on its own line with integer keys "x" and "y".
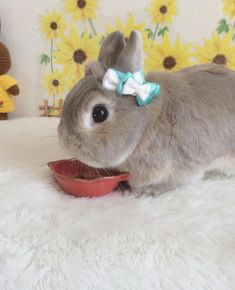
{"x": 188, "y": 129}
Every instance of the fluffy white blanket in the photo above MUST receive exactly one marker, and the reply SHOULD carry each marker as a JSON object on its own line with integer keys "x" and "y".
{"x": 48, "y": 240}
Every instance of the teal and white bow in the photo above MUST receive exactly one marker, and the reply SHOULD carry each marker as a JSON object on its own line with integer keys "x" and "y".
{"x": 131, "y": 84}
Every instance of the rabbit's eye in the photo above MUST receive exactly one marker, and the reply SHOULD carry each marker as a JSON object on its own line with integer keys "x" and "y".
{"x": 100, "y": 113}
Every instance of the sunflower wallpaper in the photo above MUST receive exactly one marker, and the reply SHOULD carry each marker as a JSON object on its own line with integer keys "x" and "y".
{"x": 73, "y": 35}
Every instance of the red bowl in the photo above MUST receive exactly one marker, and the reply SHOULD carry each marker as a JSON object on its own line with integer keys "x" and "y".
{"x": 81, "y": 180}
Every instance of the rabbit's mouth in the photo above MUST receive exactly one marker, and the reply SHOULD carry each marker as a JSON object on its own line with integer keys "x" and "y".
{"x": 92, "y": 152}
{"x": 73, "y": 147}
{"x": 112, "y": 161}
{"x": 100, "y": 161}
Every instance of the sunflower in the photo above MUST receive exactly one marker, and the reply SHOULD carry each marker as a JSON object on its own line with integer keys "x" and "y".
{"x": 55, "y": 83}
{"x": 217, "y": 50}
{"x": 81, "y": 9}
{"x": 53, "y": 24}
{"x": 229, "y": 8}
{"x": 163, "y": 11}
{"x": 127, "y": 28}
{"x": 75, "y": 51}
{"x": 168, "y": 57}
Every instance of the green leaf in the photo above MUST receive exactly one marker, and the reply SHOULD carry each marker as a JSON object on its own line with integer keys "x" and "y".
{"x": 45, "y": 59}
{"x": 234, "y": 36}
{"x": 150, "y": 33}
{"x": 223, "y": 26}
{"x": 162, "y": 31}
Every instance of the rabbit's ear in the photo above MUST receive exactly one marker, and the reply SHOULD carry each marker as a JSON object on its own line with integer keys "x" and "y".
{"x": 111, "y": 48}
{"x": 95, "y": 69}
{"x": 131, "y": 58}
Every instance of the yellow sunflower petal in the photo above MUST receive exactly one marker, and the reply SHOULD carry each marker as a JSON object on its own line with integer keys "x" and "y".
{"x": 76, "y": 51}
{"x": 162, "y": 11}
{"x": 217, "y": 49}
{"x": 53, "y": 24}
{"x": 55, "y": 83}
{"x": 168, "y": 57}
{"x": 82, "y": 9}
{"x": 129, "y": 26}
{"x": 229, "y": 8}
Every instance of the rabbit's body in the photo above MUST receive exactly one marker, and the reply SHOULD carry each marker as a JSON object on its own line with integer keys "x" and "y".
{"x": 187, "y": 129}
{"x": 194, "y": 126}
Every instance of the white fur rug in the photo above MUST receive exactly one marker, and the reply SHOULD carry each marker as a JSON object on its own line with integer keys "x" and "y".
{"x": 48, "y": 240}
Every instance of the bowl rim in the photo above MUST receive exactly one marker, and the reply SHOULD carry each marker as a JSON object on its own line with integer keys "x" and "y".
{"x": 123, "y": 176}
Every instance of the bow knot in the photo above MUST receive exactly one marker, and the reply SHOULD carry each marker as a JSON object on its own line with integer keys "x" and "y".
{"x": 131, "y": 84}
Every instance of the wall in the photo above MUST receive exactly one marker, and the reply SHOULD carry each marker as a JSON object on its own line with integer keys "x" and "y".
{"x": 20, "y": 32}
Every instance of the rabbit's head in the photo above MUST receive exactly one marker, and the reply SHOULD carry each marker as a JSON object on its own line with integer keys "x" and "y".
{"x": 98, "y": 126}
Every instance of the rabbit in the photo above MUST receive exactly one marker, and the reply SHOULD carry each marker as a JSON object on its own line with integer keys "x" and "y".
{"x": 187, "y": 130}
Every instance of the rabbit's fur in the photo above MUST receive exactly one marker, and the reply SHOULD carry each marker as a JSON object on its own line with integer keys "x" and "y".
{"x": 186, "y": 130}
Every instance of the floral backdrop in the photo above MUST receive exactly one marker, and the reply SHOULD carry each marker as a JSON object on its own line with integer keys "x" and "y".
{"x": 70, "y": 48}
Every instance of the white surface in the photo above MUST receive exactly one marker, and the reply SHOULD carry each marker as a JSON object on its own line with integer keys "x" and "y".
{"x": 181, "y": 240}
{"x": 20, "y": 32}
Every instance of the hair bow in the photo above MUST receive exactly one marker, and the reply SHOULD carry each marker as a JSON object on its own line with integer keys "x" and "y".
{"x": 131, "y": 84}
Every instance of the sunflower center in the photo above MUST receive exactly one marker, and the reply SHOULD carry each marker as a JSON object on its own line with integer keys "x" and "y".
{"x": 79, "y": 56}
{"x": 53, "y": 25}
{"x": 55, "y": 83}
{"x": 169, "y": 62}
{"x": 219, "y": 59}
{"x": 163, "y": 9}
{"x": 81, "y": 4}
